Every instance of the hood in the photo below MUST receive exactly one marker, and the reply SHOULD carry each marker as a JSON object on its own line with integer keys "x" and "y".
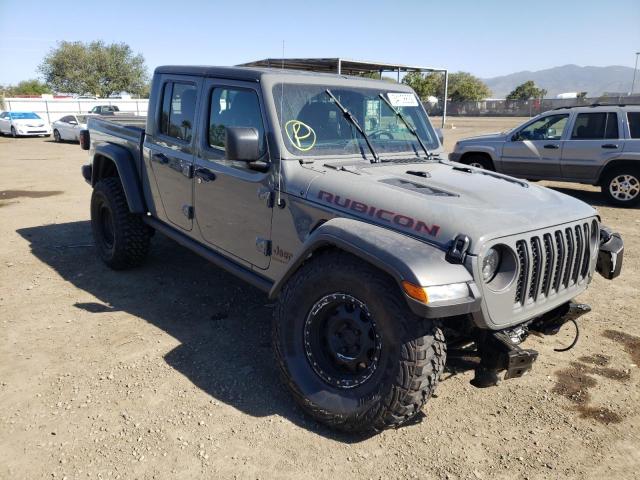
{"x": 489, "y": 137}
{"x": 438, "y": 201}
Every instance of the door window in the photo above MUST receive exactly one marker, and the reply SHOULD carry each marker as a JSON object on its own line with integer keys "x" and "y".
{"x": 233, "y": 107}
{"x": 546, "y": 128}
{"x": 634, "y": 124}
{"x": 66, "y": 119}
{"x": 595, "y": 126}
{"x": 178, "y": 110}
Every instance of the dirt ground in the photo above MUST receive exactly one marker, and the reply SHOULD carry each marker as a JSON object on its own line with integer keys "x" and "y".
{"x": 166, "y": 371}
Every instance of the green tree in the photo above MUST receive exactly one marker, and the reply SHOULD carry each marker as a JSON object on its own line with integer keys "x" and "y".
{"x": 527, "y": 91}
{"x": 28, "y": 87}
{"x": 94, "y": 67}
{"x": 462, "y": 86}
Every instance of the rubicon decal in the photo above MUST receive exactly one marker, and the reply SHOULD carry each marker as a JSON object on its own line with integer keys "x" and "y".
{"x": 379, "y": 213}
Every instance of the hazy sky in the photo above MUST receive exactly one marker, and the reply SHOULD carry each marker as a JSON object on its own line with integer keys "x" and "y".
{"x": 487, "y": 38}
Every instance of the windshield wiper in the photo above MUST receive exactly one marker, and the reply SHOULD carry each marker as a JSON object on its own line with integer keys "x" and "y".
{"x": 349, "y": 116}
{"x": 429, "y": 154}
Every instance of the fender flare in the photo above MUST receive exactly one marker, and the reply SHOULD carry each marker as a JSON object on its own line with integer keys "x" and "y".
{"x": 400, "y": 256}
{"x": 129, "y": 178}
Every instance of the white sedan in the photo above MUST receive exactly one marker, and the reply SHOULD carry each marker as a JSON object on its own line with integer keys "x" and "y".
{"x": 68, "y": 127}
{"x": 23, "y": 124}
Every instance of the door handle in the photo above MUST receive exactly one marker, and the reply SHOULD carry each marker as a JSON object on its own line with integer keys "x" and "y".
{"x": 204, "y": 175}
{"x": 610, "y": 145}
{"x": 161, "y": 158}
{"x": 551, "y": 146}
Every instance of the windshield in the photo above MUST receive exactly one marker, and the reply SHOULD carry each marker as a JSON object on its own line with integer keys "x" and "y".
{"x": 312, "y": 124}
{"x": 24, "y": 115}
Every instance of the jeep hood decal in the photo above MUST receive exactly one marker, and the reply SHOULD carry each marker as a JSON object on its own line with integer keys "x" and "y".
{"x": 454, "y": 201}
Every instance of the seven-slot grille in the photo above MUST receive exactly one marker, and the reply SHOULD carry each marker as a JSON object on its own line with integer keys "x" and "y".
{"x": 552, "y": 262}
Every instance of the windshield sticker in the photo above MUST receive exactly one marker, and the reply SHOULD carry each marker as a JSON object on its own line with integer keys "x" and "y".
{"x": 301, "y": 135}
{"x": 402, "y": 99}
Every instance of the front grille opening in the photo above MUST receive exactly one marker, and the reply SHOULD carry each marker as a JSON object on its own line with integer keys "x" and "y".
{"x": 548, "y": 263}
{"x": 570, "y": 252}
{"x": 587, "y": 252}
{"x": 523, "y": 263}
{"x": 557, "y": 279}
{"x": 579, "y": 251}
{"x": 535, "y": 267}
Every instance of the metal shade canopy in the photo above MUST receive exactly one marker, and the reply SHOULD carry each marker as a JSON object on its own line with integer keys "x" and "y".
{"x": 343, "y": 66}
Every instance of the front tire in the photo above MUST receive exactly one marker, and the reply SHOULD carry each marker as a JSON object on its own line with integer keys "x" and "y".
{"x": 14, "y": 134}
{"x": 349, "y": 349}
{"x": 479, "y": 161}
{"x": 56, "y": 136}
{"x": 121, "y": 237}
{"x": 621, "y": 187}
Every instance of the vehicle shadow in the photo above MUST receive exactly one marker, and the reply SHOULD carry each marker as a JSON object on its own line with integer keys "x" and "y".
{"x": 223, "y": 325}
{"x": 595, "y": 199}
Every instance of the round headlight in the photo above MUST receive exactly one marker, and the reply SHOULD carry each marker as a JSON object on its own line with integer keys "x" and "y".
{"x": 490, "y": 264}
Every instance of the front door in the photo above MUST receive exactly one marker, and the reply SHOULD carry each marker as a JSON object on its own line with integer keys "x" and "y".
{"x": 171, "y": 149}
{"x": 535, "y": 150}
{"x": 233, "y": 202}
{"x": 594, "y": 139}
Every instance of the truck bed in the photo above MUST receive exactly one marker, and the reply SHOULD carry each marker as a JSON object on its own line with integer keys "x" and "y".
{"x": 125, "y": 131}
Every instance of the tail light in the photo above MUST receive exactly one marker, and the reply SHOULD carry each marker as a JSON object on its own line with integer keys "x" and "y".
{"x": 85, "y": 139}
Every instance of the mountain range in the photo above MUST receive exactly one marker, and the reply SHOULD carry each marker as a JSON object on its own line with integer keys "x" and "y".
{"x": 568, "y": 78}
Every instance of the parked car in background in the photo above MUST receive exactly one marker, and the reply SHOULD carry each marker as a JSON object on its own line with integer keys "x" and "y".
{"x": 104, "y": 109}
{"x": 597, "y": 145}
{"x": 68, "y": 127}
{"x": 23, "y": 124}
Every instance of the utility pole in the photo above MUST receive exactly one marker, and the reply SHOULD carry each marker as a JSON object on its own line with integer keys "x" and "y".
{"x": 635, "y": 69}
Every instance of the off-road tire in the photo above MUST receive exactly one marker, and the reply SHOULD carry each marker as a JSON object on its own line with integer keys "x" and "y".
{"x": 412, "y": 358}
{"x": 123, "y": 240}
{"x": 615, "y": 173}
{"x": 478, "y": 161}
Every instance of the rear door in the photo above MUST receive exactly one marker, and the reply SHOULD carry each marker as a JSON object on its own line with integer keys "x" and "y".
{"x": 171, "y": 148}
{"x": 233, "y": 202}
{"x": 534, "y": 151}
{"x": 595, "y": 137}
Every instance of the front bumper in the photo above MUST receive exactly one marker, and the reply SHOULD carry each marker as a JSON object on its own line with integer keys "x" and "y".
{"x": 610, "y": 254}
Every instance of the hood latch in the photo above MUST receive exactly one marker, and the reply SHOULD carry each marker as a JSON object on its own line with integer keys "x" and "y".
{"x": 458, "y": 251}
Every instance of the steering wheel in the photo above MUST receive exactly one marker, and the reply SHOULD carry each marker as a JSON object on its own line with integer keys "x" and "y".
{"x": 380, "y": 133}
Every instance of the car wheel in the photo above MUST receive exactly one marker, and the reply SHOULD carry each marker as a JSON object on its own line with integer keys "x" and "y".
{"x": 122, "y": 239}
{"x": 14, "y": 134}
{"x": 349, "y": 349}
{"x": 56, "y": 136}
{"x": 478, "y": 161}
{"x": 621, "y": 187}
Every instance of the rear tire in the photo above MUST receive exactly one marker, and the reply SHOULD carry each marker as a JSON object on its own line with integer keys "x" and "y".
{"x": 349, "y": 349}
{"x": 122, "y": 239}
{"x": 478, "y": 161}
{"x": 621, "y": 187}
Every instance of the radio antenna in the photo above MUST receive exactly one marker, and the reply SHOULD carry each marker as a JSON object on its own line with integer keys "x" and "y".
{"x": 279, "y": 197}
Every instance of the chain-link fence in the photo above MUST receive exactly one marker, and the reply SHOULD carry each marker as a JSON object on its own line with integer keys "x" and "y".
{"x": 523, "y": 108}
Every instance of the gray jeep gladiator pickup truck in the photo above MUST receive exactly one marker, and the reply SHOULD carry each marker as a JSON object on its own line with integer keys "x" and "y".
{"x": 330, "y": 194}
{"x": 597, "y": 145}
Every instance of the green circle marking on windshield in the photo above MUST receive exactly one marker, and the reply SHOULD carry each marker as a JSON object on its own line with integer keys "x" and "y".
{"x": 301, "y": 135}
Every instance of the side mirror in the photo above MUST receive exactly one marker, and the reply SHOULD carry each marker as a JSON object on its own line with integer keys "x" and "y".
{"x": 515, "y": 137}
{"x": 440, "y": 134}
{"x": 242, "y": 143}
